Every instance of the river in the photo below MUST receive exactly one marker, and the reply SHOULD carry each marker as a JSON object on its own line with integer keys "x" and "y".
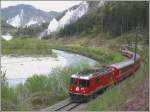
{"x": 18, "y": 69}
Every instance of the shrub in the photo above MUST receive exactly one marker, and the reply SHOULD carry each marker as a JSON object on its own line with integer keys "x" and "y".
{"x": 38, "y": 83}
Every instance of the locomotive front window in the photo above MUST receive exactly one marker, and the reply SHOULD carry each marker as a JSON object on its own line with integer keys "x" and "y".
{"x": 73, "y": 81}
{"x": 86, "y": 72}
{"x": 84, "y": 83}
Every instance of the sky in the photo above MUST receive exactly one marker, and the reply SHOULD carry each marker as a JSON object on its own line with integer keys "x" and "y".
{"x": 43, "y": 5}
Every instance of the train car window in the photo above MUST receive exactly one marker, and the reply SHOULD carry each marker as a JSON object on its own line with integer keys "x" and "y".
{"x": 86, "y": 72}
{"x": 84, "y": 83}
{"x": 87, "y": 83}
{"x": 97, "y": 80}
{"x": 109, "y": 76}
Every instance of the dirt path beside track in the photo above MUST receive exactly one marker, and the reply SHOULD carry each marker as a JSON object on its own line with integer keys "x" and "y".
{"x": 139, "y": 99}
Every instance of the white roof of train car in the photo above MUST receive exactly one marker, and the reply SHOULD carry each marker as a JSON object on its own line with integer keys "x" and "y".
{"x": 127, "y": 62}
{"x": 123, "y": 64}
{"x": 137, "y": 56}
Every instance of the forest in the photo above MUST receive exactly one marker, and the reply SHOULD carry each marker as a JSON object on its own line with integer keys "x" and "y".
{"x": 114, "y": 18}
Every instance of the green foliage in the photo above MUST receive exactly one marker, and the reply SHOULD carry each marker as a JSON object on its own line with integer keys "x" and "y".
{"x": 8, "y": 95}
{"x": 38, "y": 83}
{"x": 83, "y": 34}
{"x": 123, "y": 16}
{"x": 96, "y": 29}
{"x": 25, "y": 46}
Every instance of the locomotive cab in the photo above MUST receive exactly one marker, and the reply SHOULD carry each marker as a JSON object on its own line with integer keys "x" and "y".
{"x": 78, "y": 89}
{"x": 85, "y": 83}
{"x": 79, "y": 85}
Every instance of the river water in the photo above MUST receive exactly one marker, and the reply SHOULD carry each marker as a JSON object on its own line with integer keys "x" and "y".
{"x": 18, "y": 69}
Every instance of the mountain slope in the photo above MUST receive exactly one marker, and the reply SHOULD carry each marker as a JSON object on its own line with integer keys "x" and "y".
{"x": 26, "y": 15}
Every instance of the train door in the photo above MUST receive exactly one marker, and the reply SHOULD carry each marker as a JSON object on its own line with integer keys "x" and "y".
{"x": 97, "y": 82}
{"x": 115, "y": 74}
{"x": 109, "y": 78}
{"x": 103, "y": 82}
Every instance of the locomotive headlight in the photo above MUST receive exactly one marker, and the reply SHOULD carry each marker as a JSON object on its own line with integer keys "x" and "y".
{"x": 77, "y": 88}
{"x": 83, "y": 90}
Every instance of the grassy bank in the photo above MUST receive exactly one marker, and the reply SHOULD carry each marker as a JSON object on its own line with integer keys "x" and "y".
{"x": 29, "y": 46}
{"x": 116, "y": 96}
{"x": 38, "y": 91}
{"x": 43, "y": 47}
{"x": 102, "y": 55}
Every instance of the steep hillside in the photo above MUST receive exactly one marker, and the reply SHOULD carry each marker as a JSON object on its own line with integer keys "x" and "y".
{"x": 114, "y": 18}
{"x": 69, "y": 16}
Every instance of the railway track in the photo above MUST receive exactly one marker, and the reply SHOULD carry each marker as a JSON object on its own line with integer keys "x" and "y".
{"x": 67, "y": 107}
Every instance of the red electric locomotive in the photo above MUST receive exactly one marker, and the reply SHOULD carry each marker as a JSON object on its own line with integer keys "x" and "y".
{"x": 86, "y": 83}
